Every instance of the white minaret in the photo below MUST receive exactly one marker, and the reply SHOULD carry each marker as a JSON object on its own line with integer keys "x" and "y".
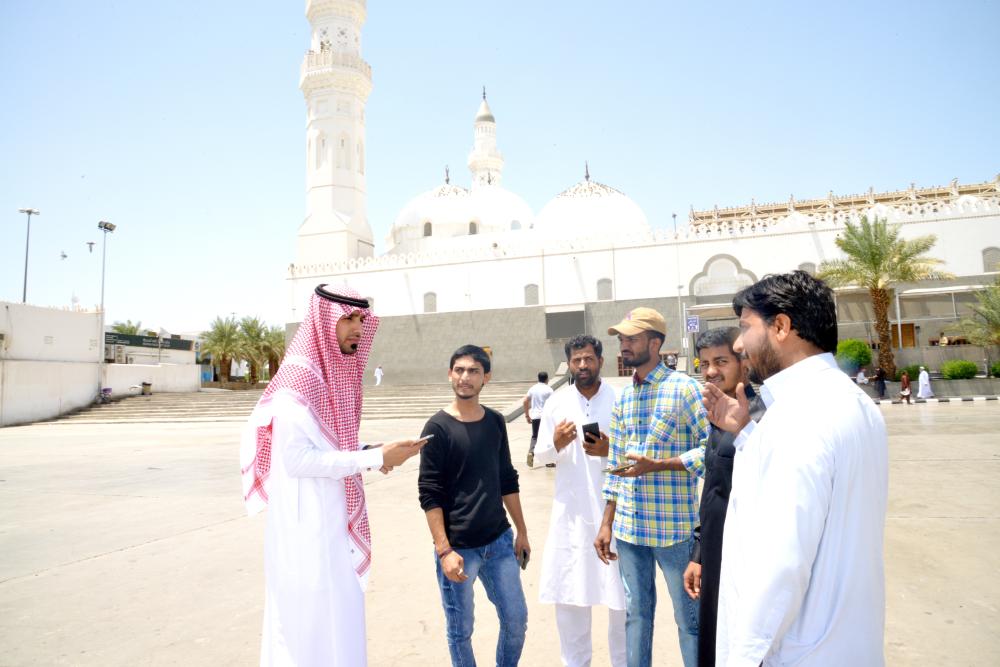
{"x": 485, "y": 161}
{"x": 335, "y": 82}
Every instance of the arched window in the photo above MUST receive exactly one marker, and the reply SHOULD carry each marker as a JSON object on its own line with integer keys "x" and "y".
{"x": 604, "y": 289}
{"x": 515, "y": 225}
{"x": 531, "y": 295}
{"x": 991, "y": 259}
{"x": 473, "y": 228}
{"x": 343, "y": 153}
{"x": 361, "y": 157}
{"x": 722, "y": 275}
{"x": 808, "y": 267}
{"x": 430, "y": 302}
{"x": 428, "y": 229}
{"x": 320, "y": 150}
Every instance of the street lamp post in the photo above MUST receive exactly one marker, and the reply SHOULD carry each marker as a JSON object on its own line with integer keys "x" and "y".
{"x": 27, "y": 240}
{"x": 107, "y": 228}
{"x": 680, "y": 306}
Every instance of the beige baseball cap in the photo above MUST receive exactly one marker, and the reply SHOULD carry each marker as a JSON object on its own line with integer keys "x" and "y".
{"x": 639, "y": 319}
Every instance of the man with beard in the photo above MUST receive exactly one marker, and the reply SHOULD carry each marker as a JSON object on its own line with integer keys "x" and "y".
{"x": 802, "y": 571}
{"x": 572, "y": 577}
{"x": 466, "y": 479}
{"x": 300, "y": 455}
{"x": 651, "y": 510}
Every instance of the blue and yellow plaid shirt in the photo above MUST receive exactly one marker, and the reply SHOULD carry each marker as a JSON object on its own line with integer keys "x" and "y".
{"x": 660, "y": 416}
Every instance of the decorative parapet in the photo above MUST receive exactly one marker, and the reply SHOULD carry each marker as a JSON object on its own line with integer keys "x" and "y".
{"x": 912, "y": 205}
{"x": 328, "y": 69}
{"x": 356, "y": 10}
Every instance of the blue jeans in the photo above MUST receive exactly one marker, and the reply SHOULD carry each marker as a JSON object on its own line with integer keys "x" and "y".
{"x": 638, "y": 569}
{"x": 495, "y": 565}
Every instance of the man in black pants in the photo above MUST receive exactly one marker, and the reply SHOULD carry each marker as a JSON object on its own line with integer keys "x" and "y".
{"x": 721, "y": 366}
{"x": 534, "y": 402}
{"x": 466, "y": 480}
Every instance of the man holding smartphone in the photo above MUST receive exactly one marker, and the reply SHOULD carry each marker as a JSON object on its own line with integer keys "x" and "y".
{"x": 466, "y": 480}
{"x": 573, "y": 432}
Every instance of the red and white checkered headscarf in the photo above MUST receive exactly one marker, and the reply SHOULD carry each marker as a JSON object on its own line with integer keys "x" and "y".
{"x": 327, "y": 382}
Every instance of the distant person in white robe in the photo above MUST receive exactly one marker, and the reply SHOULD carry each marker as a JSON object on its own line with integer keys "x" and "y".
{"x": 300, "y": 456}
{"x": 573, "y": 578}
{"x": 378, "y": 375}
{"x": 924, "y": 384}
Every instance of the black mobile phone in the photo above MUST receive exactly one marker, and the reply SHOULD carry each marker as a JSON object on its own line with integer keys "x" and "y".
{"x": 593, "y": 429}
{"x": 522, "y": 559}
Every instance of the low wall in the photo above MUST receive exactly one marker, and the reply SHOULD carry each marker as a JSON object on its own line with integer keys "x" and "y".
{"x": 164, "y": 378}
{"x": 37, "y": 390}
{"x": 945, "y": 388}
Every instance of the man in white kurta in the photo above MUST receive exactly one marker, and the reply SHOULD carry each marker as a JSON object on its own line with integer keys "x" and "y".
{"x": 300, "y": 456}
{"x": 924, "y": 384}
{"x": 573, "y": 577}
{"x": 802, "y": 570}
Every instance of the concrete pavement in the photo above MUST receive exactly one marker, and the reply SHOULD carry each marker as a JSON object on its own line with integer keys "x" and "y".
{"x": 127, "y": 543}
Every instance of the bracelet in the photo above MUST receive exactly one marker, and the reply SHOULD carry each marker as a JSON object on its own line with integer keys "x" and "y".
{"x": 445, "y": 553}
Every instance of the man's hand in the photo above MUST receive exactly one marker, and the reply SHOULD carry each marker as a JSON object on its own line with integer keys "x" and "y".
{"x": 692, "y": 580}
{"x": 527, "y": 417}
{"x": 565, "y": 433}
{"x": 521, "y": 544}
{"x": 597, "y": 447}
{"x": 729, "y": 414}
{"x": 395, "y": 453}
{"x": 453, "y": 566}
{"x": 603, "y": 545}
{"x": 641, "y": 465}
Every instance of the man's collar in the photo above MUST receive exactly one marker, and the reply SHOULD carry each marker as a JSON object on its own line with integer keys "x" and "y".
{"x": 790, "y": 380}
{"x": 658, "y": 374}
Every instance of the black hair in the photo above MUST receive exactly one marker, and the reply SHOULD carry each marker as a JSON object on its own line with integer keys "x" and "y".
{"x": 656, "y": 335}
{"x": 474, "y": 351}
{"x": 807, "y": 301}
{"x": 717, "y": 338}
{"x": 580, "y": 342}
{"x": 543, "y": 377}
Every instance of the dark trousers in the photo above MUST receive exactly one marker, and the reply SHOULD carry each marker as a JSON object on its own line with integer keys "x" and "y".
{"x": 535, "y": 423}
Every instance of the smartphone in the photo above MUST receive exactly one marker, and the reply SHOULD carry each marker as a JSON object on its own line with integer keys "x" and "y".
{"x": 619, "y": 470}
{"x": 428, "y": 437}
{"x": 522, "y": 559}
{"x": 593, "y": 429}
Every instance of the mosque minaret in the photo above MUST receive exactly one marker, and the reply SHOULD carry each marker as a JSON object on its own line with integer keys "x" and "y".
{"x": 335, "y": 82}
{"x": 485, "y": 161}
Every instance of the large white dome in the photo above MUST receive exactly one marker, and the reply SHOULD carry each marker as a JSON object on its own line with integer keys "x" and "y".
{"x": 448, "y": 212}
{"x": 590, "y": 209}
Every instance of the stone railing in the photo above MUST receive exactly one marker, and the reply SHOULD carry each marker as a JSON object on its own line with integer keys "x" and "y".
{"x": 323, "y": 60}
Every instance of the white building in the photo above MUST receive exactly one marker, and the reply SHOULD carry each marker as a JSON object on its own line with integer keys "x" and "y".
{"x": 477, "y": 265}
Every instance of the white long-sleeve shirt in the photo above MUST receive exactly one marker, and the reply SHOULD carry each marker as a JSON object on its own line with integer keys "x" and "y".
{"x": 802, "y": 573}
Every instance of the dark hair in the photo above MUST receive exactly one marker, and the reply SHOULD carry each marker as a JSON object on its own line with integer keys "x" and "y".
{"x": 807, "y": 301}
{"x": 717, "y": 338}
{"x": 580, "y": 342}
{"x": 543, "y": 376}
{"x": 656, "y": 335}
{"x": 474, "y": 351}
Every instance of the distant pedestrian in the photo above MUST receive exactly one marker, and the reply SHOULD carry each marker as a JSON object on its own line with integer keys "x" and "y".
{"x": 378, "y": 375}
{"x": 924, "y": 384}
{"x": 880, "y": 377}
{"x": 672, "y": 361}
{"x": 533, "y": 403}
{"x": 904, "y": 387}
{"x": 861, "y": 378}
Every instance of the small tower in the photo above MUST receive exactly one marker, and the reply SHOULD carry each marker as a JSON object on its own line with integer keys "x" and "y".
{"x": 485, "y": 161}
{"x": 335, "y": 82}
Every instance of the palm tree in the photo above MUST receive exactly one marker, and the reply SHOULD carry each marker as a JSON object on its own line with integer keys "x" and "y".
{"x": 252, "y": 336}
{"x": 274, "y": 349}
{"x": 982, "y": 327}
{"x": 222, "y": 342}
{"x": 877, "y": 258}
{"x": 127, "y": 327}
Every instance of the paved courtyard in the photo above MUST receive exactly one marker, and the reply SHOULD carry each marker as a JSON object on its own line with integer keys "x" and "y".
{"x": 127, "y": 544}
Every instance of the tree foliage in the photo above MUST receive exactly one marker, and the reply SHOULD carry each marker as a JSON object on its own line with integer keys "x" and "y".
{"x": 222, "y": 342}
{"x": 877, "y": 258}
{"x": 853, "y": 354}
{"x": 959, "y": 369}
{"x": 982, "y": 327}
{"x": 253, "y": 333}
{"x": 128, "y": 328}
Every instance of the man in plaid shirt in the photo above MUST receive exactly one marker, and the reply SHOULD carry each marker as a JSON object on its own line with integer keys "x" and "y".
{"x": 651, "y": 506}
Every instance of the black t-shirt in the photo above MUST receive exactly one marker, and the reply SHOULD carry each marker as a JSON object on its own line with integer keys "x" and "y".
{"x": 466, "y": 470}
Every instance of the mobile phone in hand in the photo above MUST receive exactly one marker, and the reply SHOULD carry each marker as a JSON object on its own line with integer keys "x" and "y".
{"x": 619, "y": 470}
{"x": 522, "y": 559}
{"x": 594, "y": 430}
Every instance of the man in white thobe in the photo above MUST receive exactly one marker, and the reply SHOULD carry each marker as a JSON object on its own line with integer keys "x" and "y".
{"x": 301, "y": 457}
{"x": 378, "y": 375}
{"x": 802, "y": 568}
{"x": 924, "y": 384}
{"x": 573, "y": 577}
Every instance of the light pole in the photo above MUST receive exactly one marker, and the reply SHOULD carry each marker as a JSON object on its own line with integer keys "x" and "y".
{"x": 27, "y": 240}
{"x": 105, "y": 227}
{"x": 680, "y": 307}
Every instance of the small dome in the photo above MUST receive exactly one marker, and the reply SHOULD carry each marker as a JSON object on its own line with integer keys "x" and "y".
{"x": 591, "y": 209}
{"x": 484, "y": 114}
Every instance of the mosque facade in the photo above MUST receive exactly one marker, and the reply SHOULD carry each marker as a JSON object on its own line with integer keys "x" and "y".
{"x": 477, "y": 265}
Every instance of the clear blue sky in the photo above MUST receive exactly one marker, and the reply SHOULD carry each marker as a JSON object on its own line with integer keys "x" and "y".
{"x": 182, "y": 122}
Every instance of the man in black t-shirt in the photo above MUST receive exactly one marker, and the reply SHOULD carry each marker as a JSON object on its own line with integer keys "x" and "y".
{"x": 466, "y": 480}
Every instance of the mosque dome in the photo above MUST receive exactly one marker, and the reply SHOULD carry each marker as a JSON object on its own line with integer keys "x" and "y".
{"x": 591, "y": 209}
{"x": 442, "y": 216}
